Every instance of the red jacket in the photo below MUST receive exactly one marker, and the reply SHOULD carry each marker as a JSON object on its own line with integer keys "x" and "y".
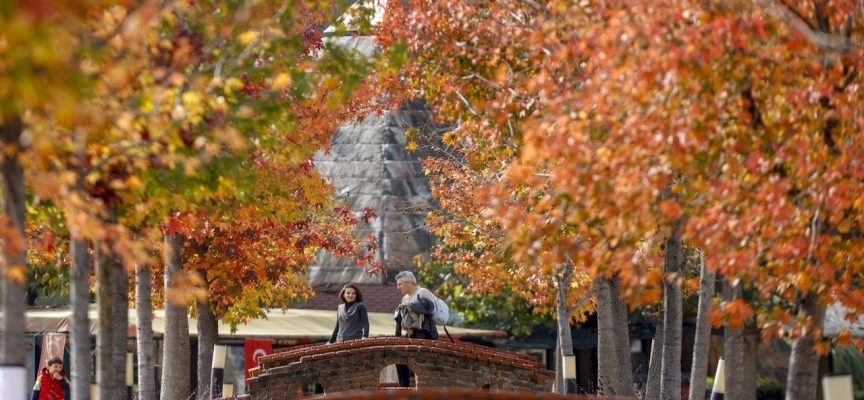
{"x": 48, "y": 388}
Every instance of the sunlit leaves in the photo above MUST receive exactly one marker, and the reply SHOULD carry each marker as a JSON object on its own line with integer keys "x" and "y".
{"x": 200, "y": 119}
{"x": 607, "y": 123}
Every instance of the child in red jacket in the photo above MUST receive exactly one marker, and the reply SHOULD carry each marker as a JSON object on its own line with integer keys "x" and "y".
{"x": 51, "y": 383}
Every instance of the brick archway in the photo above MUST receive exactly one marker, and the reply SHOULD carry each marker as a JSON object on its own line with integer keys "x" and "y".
{"x": 356, "y": 365}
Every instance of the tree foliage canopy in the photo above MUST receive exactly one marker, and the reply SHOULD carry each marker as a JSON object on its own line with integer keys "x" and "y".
{"x": 587, "y": 130}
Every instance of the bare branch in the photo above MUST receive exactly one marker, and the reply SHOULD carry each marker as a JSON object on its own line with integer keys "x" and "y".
{"x": 794, "y": 18}
{"x": 588, "y": 295}
{"x": 465, "y": 102}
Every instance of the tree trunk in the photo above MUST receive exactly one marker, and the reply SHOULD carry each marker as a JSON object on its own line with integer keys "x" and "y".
{"x": 111, "y": 340}
{"x": 121, "y": 321}
{"x": 733, "y": 348}
{"x": 79, "y": 296}
{"x": 146, "y": 353}
{"x": 208, "y": 336}
{"x": 565, "y": 338}
{"x": 751, "y": 351}
{"x": 605, "y": 339}
{"x": 175, "y": 358}
{"x": 559, "y": 368}
{"x": 13, "y": 283}
{"x": 621, "y": 341}
{"x": 707, "y": 281}
{"x": 804, "y": 362}
{"x": 670, "y": 375}
{"x": 652, "y": 387}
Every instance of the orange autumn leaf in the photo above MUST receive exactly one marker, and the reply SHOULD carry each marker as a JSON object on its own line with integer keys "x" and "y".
{"x": 670, "y": 208}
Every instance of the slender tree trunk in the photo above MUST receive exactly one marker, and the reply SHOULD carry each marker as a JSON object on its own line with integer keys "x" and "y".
{"x": 751, "y": 351}
{"x": 621, "y": 340}
{"x": 565, "y": 338}
{"x": 804, "y": 362}
{"x": 79, "y": 294}
{"x": 175, "y": 359}
{"x": 13, "y": 275}
{"x": 208, "y": 336}
{"x": 707, "y": 282}
{"x": 652, "y": 387}
{"x": 605, "y": 339}
{"x": 146, "y": 352}
{"x": 111, "y": 340}
{"x": 121, "y": 321}
{"x": 670, "y": 376}
{"x": 559, "y": 369}
{"x": 733, "y": 348}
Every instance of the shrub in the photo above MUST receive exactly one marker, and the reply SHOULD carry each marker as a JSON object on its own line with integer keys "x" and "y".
{"x": 769, "y": 389}
{"x": 848, "y": 360}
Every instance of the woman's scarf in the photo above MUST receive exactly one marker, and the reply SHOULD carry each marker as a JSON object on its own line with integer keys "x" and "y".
{"x": 348, "y": 310}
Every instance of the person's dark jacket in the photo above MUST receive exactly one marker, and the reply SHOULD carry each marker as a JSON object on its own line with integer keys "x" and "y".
{"x": 425, "y": 307}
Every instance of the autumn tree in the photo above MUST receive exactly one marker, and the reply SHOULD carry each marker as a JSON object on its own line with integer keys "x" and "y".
{"x": 729, "y": 126}
{"x": 183, "y": 99}
{"x": 41, "y": 73}
{"x": 466, "y": 75}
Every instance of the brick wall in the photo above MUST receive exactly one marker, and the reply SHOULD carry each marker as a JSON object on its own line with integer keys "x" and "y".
{"x": 451, "y": 394}
{"x": 356, "y": 365}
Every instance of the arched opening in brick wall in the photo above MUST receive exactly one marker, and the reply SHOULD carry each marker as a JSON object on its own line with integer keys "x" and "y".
{"x": 389, "y": 377}
{"x": 311, "y": 387}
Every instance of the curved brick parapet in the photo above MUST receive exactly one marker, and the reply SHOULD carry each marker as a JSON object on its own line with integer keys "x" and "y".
{"x": 452, "y": 394}
{"x": 356, "y": 365}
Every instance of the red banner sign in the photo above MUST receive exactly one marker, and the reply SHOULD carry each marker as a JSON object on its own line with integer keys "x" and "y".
{"x": 52, "y": 346}
{"x": 256, "y": 348}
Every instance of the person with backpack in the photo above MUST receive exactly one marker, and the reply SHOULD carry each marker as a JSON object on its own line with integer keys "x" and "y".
{"x": 52, "y": 383}
{"x": 414, "y": 316}
{"x": 418, "y": 306}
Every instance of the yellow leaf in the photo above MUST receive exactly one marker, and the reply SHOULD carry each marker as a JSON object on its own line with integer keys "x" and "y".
{"x": 16, "y": 273}
{"x": 844, "y": 226}
{"x": 331, "y": 83}
{"x": 247, "y": 37}
{"x": 233, "y": 84}
{"x": 133, "y": 182}
{"x": 117, "y": 184}
{"x": 281, "y": 81}
{"x": 449, "y": 139}
{"x": 124, "y": 121}
{"x": 191, "y": 98}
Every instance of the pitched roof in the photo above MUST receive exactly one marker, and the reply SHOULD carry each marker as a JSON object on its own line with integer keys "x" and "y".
{"x": 377, "y": 297}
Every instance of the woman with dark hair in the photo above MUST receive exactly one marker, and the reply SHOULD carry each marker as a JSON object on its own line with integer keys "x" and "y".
{"x": 352, "y": 322}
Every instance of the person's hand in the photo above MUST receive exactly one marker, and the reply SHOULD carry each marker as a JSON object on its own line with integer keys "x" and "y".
{"x": 57, "y": 376}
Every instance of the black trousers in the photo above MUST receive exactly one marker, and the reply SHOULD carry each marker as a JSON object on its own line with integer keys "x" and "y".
{"x": 403, "y": 373}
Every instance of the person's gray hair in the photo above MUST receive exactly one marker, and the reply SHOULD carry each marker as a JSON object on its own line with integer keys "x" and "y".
{"x": 407, "y": 276}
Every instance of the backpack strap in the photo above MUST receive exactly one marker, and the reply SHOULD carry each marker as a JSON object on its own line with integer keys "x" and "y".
{"x": 448, "y": 334}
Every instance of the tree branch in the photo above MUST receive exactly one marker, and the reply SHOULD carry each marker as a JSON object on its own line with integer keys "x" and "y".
{"x": 465, "y": 102}
{"x": 588, "y": 295}
{"x": 812, "y": 33}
